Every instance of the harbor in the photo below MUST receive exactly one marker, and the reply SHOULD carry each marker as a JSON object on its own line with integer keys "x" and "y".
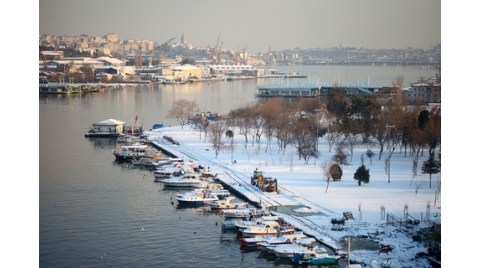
{"x": 93, "y": 208}
{"x": 281, "y": 202}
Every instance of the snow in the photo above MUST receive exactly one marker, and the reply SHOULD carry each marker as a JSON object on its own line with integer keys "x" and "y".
{"x": 304, "y": 186}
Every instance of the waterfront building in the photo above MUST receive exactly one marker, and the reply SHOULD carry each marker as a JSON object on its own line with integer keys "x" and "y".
{"x": 106, "y": 128}
{"x": 424, "y": 92}
{"x": 309, "y": 90}
{"x": 181, "y": 72}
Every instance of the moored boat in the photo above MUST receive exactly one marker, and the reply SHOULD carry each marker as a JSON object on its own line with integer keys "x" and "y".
{"x": 227, "y": 203}
{"x": 287, "y": 250}
{"x": 321, "y": 257}
{"x": 253, "y": 241}
{"x": 267, "y": 228}
{"x": 187, "y": 180}
{"x": 198, "y": 197}
{"x": 136, "y": 151}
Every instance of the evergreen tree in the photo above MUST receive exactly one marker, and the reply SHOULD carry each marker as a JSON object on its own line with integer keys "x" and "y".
{"x": 431, "y": 166}
{"x": 362, "y": 175}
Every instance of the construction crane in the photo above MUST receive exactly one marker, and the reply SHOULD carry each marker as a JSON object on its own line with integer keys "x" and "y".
{"x": 217, "y": 49}
{"x": 164, "y": 46}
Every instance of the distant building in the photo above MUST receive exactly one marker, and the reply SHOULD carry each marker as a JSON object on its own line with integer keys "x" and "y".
{"x": 108, "y": 61}
{"x": 225, "y": 68}
{"x": 51, "y": 55}
{"x": 67, "y": 63}
{"x": 182, "y": 72}
{"x": 424, "y": 92}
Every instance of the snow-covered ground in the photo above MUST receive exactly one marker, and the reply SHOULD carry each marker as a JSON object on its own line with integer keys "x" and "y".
{"x": 304, "y": 185}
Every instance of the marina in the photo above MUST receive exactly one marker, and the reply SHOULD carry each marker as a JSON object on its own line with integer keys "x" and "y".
{"x": 92, "y": 208}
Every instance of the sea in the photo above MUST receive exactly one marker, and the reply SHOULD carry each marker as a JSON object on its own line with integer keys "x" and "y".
{"x": 94, "y": 212}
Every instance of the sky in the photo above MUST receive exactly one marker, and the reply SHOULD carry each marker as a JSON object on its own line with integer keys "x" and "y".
{"x": 252, "y": 25}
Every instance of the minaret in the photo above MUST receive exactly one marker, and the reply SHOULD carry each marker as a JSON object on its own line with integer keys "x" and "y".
{"x": 182, "y": 40}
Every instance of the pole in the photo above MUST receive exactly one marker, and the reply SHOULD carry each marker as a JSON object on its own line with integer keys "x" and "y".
{"x": 348, "y": 253}
{"x": 389, "y": 153}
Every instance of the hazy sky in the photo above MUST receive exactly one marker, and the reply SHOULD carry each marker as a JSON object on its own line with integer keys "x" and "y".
{"x": 254, "y": 25}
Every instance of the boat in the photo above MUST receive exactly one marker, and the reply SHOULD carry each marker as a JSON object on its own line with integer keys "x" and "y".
{"x": 274, "y": 240}
{"x": 321, "y": 257}
{"x": 253, "y": 221}
{"x": 198, "y": 197}
{"x": 287, "y": 251}
{"x": 187, "y": 180}
{"x": 145, "y": 162}
{"x": 267, "y": 228}
{"x": 253, "y": 241}
{"x": 226, "y": 203}
{"x": 238, "y": 212}
{"x": 136, "y": 151}
{"x": 167, "y": 173}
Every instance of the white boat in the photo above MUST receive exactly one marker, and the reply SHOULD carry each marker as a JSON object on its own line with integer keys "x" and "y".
{"x": 254, "y": 221}
{"x": 238, "y": 212}
{"x": 167, "y": 173}
{"x": 145, "y": 162}
{"x": 136, "y": 151}
{"x": 187, "y": 180}
{"x": 198, "y": 197}
{"x": 210, "y": 185}
{"x": 287, "y": 250}
{"x": 253, "y": 241}
{"x": 279, "y": 240}
{"x": 267, "y": 228}
{"x": 227, "y": 203}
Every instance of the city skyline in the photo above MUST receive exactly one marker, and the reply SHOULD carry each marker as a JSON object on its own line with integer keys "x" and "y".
{"x": 253, "y": 26}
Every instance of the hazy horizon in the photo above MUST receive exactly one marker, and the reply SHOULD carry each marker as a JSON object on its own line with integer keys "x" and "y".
{"x": 252, "y": 25}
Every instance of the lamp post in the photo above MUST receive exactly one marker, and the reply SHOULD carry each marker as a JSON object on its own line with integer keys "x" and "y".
{"x": 348, "y": 251}
{"x": 389, "y": 153}
{"x": 317, "y": 123}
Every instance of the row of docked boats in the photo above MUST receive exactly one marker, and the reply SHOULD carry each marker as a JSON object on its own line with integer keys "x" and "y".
{"x": 260, "y": 230}
{"x": 206, "y": 192}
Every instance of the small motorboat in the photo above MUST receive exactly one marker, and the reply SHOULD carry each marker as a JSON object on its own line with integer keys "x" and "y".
{"x": 227, "y": 203}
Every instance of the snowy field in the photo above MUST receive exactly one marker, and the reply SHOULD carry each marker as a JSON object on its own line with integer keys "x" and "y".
{"x": 304, "y": 184}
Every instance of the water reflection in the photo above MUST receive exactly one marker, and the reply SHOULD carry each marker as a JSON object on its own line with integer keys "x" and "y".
{"x": 104, "y": 143}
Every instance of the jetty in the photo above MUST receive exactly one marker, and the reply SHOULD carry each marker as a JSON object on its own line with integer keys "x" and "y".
{"x": 239, "y": 184}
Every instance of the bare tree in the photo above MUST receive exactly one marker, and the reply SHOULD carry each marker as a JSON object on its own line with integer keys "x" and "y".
{"x": 326, "y": 173}
{"x": 340, "y": 157}
{"x": 201, "y": 122}
{"x": 270, "y": 112}
{"x": 351, "y": 140}
{"x": 242, "y": 119}
{"x": 258, "y": 121}
{"x": 217, "y": 130}
{"x": 183, "y": 110}
{"x": 333, "y": 137}
{"x": 304, "y": 133}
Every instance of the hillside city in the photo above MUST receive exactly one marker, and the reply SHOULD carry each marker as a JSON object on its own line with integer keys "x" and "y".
{"x": 109, "y": 59}
{"x": 154, "y": 52}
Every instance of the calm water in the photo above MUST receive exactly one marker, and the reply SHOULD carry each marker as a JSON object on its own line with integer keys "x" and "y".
{"x": 92, "y": 210}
